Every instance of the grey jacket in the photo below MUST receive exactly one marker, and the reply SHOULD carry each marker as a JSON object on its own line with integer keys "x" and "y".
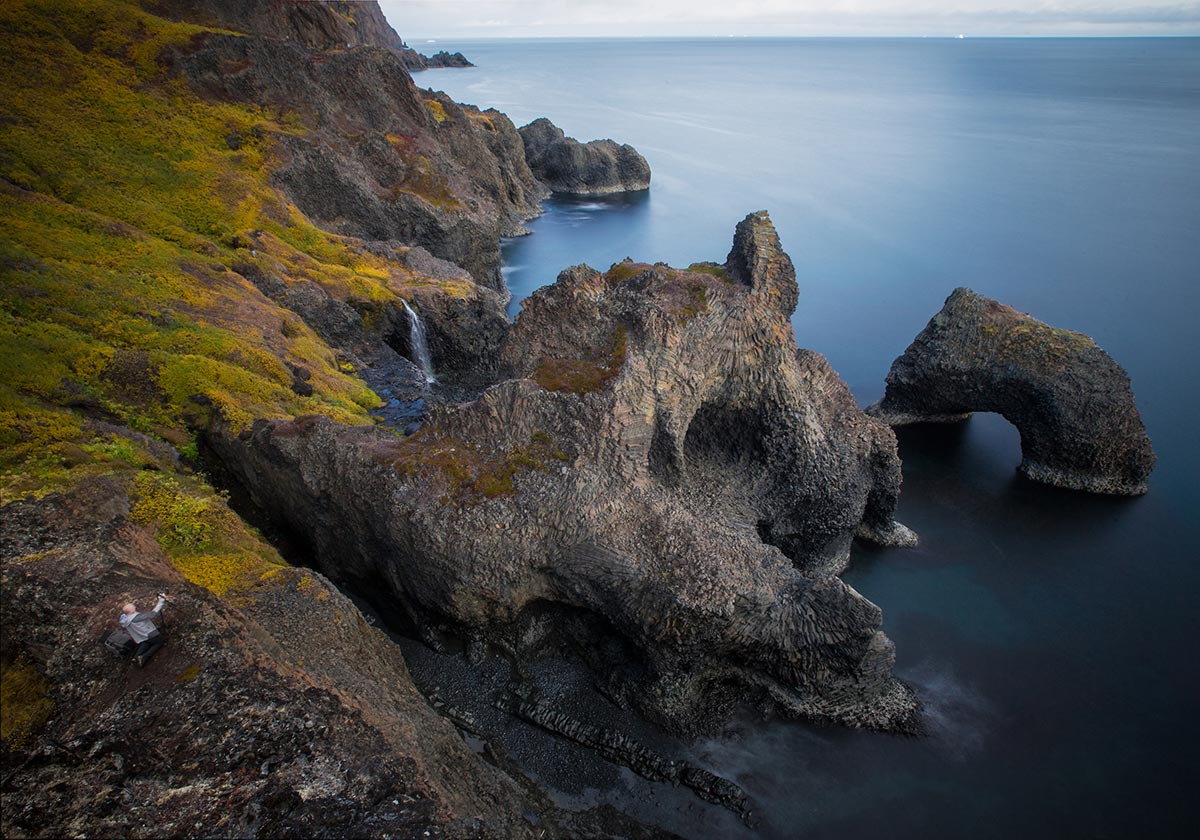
{"x": 140, "y": 625}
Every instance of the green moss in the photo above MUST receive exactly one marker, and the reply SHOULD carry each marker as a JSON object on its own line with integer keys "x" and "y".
{"x": 712, "y": 269}
{"x": 24, "y": 703}
{"x": 467, "y": 473}
{"x": 625, "y": 270}
{"x": 187, "y": 675}
{"x": 584, "y": 375}
{"x": 121, "y": 206}
{"x": 206, "y": 540}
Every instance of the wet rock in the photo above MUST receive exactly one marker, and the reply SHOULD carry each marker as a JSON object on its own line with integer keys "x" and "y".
{"x": 1072, "y": 403}
{"x": 595, "y": 168}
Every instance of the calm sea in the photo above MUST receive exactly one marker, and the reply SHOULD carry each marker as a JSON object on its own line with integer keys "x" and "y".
{"x": 1052, "y": 635}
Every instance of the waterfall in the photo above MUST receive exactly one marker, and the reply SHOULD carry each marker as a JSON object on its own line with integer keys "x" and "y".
{"x": 418, "y": 343}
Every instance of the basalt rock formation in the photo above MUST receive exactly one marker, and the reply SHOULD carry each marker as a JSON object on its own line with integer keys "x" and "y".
{"x": 665, "y": 471}
{"x": 595, "y": 168}
{"x": 1072, "y": 403}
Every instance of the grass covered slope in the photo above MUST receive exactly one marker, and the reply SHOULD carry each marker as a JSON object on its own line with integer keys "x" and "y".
{"x": 125, "y": 199}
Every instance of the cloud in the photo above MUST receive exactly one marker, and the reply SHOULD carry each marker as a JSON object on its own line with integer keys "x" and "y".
{"x": 524, "y": 18}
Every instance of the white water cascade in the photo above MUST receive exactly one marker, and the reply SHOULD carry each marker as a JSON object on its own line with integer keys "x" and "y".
{"x": 418, "y": 343}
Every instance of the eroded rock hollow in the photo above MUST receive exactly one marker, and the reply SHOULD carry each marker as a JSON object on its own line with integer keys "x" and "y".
{"x": 1072, "y": 403}
{"x": 663, "y": 475}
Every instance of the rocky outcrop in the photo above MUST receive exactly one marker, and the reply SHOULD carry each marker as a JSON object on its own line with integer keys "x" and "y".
{"x": 287, "y": 715}
{"x": 665, "y": 468}
{"x": 567, "y": 166}
{"x": 1072, "y": 403}
{"x": 378, "y": 158}
{"x": 414, "y": 61}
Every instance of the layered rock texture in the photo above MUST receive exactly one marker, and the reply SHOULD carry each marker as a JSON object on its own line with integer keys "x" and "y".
{"x": 1072, "y": 403}
{"x": 595, "y": 168}
{"x": 665, "y": 472}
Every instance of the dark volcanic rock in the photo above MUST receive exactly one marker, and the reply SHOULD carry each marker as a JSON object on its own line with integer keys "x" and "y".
{"x": 413, "y": 60}
{"x": 1072, "y": 403}
{"x": 567, "y": 166}
{"x": 287, "y": 715}
{"x": 673, "y": 471}
{"x": 378, "y": 158}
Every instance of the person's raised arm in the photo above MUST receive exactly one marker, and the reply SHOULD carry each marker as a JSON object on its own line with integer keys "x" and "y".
{"x": 162, "y": 599}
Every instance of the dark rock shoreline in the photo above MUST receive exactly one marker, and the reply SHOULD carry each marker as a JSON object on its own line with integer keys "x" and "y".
{"x": 643, "y": 475}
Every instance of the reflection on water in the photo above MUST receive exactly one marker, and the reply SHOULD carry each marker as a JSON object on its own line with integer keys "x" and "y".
{"x": 572, "y": 230}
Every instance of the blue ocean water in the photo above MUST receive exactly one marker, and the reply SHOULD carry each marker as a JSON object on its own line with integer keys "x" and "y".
{"x": 1052, "y": 635}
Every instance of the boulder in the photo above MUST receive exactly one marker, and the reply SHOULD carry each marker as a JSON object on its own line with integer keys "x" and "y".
{"x": 1072, "y": 403}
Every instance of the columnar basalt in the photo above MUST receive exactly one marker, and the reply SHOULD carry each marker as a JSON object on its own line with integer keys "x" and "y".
{"x": 1072, "y": 403}
{"x": 663, "y": 458}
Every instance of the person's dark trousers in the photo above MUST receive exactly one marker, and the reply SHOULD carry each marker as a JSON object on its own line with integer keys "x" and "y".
{"x": 148, "y": 648}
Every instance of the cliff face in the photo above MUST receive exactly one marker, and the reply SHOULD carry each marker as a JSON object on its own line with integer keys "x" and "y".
{"x": 376, "y": 158}
{"x": 668, "y": 465}
{"x": 597, "y": 167}
{"x": 1072, "y": 403}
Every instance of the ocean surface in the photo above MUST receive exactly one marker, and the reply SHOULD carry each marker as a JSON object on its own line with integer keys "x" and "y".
{"x": 1053, "y": 636}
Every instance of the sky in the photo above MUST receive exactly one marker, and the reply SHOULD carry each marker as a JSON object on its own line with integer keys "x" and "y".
{"x": 420, "y": 20}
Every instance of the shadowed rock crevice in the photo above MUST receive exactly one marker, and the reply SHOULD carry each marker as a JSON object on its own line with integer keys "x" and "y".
{"x": 1071, "y": 402}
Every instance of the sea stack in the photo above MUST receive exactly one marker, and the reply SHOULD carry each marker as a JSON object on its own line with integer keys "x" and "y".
{"x": 1072, "y": 403}
{"x": 598, "y": 167}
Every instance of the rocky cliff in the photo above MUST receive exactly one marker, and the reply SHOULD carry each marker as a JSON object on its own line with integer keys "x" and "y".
{"x": 377, "y": 159}
{"x": 597, "y": 167}
{"x": 1072, "y": 403}
{"x": 666, "y": 467}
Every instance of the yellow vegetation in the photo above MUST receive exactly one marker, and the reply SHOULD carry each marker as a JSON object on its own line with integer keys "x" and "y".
{"x": 206, "y": 540}
{"x": 438, "y": 110}
{"x": 24, "y": 704}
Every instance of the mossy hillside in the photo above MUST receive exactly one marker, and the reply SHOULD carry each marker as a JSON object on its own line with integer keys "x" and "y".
{"x": 207, "y": 541}
{"x": 124, "y": 201}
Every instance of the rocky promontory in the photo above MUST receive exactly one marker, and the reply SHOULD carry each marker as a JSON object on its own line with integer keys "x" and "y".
{"x": 1072, "y": 403}
{"x": 415, "y": 61}
{"x": 597, "y": 167}
{"x": 665, "y": 479}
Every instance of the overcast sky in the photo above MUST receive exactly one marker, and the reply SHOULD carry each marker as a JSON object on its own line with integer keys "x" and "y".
{"x": 417, "y": 20}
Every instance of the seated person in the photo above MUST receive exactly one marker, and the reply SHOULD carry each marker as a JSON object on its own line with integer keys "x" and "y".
{"x": 142, "y": 629}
